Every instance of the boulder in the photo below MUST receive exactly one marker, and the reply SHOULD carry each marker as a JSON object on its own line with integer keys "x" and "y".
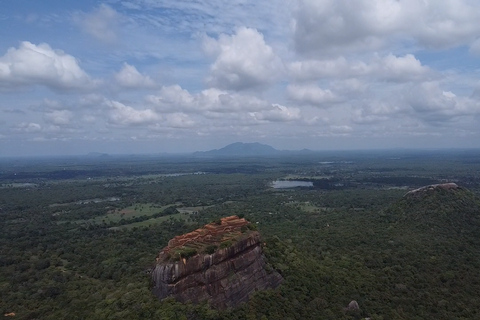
{"x": 353, "y": 306}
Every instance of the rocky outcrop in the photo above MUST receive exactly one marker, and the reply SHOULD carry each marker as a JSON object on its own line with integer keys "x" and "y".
{"x": 221, "y": 263}
{"x": 353, "y": 306}
{"x": 421, "y": 192}
{"x": 440, "y": 206}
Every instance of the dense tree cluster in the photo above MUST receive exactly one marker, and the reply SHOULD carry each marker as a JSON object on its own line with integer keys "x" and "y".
{"x": 399, "y": 259}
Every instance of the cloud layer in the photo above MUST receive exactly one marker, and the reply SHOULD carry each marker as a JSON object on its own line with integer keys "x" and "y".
{"x": 196, "y": 75}
{"x": 335, "y": 26}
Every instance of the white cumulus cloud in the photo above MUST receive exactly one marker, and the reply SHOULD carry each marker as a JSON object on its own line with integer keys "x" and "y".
{"x": 389, "y": 67}
{"x": 432, "y": 104}
{"x": 121, "y": 114}
{"x": 102, "y": 23}
{"x": 59, "y": 117}
{"x": 312, "y": 95}
{"x": 31, "y": 64}
{"x": 219, "y": 105}
{"x": 29, "y": 127}
{"x": 174, "y": 98}
{"x": 129, "y": 77}
{"x": 179, "y": 120}
{"x": 277, "y": 113}
{"x": 375, "y": 111}
{"x": 399, "y": 68}
{"x": 242, "y": 61}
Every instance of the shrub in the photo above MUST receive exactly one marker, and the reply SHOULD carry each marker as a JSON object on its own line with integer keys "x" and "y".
{"x": 252, "y": 227}
{"x": 210, "y": 249}
{"x": 226, "y": 244}
{"x": 184, "y": 253}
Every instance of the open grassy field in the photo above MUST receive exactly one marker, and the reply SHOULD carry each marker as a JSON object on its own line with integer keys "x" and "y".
{"x": 134, "y": 211}
{"x": 150, "y": 222}
{"x": 142, "y": 210}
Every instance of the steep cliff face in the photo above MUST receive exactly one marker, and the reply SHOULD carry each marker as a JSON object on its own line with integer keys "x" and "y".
{"x": 221, "y": 263}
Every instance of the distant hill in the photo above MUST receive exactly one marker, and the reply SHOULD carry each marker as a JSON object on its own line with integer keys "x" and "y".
{"x": 240, "y": 149}
{"x": 441, "y": 206}
{"x": 97, "y": 155}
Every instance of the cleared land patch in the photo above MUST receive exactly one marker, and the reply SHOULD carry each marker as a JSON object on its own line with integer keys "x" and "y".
{"x": 152, "y": 221}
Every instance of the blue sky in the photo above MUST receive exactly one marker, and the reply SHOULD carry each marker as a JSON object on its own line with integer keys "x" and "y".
{"x": 149, "y": 76}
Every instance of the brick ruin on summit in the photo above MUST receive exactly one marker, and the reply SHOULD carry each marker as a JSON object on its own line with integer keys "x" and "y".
{"x": 213, "y": 233}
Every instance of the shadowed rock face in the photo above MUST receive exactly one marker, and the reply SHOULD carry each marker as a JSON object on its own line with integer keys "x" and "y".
{"x": 225, "y": 277}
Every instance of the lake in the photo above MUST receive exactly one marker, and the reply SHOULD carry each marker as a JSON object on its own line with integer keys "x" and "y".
{"x": 285, "y": 184}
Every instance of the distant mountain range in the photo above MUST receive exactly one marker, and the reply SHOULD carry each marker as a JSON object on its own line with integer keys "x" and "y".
{"x": 254, "y": 149}
{"x": 237, "y": 149}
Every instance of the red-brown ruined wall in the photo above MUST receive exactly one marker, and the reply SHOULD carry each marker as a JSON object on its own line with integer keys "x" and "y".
{"x": 209, "y": 234}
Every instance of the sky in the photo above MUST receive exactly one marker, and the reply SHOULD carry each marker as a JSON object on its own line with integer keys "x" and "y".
{"x": 154, "y": 76}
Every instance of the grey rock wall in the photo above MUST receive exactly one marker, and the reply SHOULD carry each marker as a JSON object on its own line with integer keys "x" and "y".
{"x": 225, "y": 278}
